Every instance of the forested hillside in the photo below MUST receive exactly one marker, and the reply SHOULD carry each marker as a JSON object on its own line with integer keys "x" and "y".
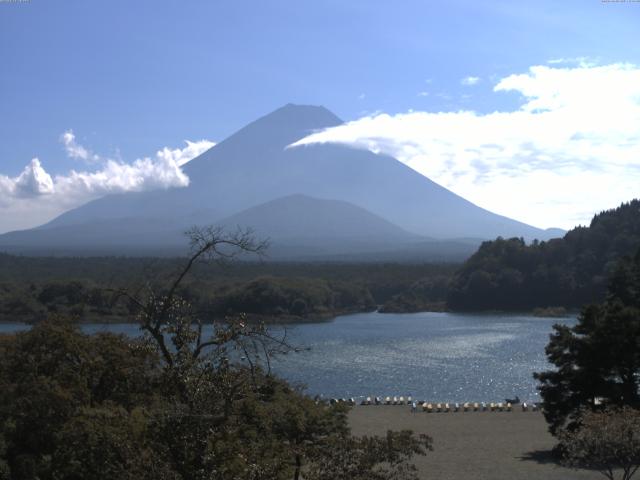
{"x": 508, "y": 274}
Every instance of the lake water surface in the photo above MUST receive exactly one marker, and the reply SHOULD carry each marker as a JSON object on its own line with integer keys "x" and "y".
{"x": 436, "y": 356}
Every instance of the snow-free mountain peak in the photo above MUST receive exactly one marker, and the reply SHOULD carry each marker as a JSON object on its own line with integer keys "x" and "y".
{"x": 253, "y": 167}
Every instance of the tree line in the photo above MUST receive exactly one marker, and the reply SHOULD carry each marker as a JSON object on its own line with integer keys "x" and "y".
{"x": 509, "y": 274}
{"x": 33, "y": 288}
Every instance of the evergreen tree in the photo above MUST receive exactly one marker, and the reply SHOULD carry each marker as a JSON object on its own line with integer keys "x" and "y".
{"x": 598, "y": 360}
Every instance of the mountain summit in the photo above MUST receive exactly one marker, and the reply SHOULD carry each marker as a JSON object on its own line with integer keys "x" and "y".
{"x": 283, "y": 126}
{"x": 253, "y": 167}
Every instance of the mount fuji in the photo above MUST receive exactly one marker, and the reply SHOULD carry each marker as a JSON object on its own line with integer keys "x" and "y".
{"x": 313, "y": 201}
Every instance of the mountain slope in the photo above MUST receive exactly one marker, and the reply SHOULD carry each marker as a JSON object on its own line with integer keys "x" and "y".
{"x": 254, "y": 166}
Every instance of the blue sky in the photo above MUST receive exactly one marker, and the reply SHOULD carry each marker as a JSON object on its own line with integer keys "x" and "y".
{"x": 130, "y": 78}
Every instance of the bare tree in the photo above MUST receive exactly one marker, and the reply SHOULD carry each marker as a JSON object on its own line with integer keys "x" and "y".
{"x": 607, "y": 441}
{"x": 180, "y": 334}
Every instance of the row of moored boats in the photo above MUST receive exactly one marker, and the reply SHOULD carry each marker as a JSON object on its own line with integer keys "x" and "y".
{"x": 430, "y": 407}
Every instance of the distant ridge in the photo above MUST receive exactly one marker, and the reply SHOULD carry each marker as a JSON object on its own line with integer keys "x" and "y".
{"x": 302, "y": 217}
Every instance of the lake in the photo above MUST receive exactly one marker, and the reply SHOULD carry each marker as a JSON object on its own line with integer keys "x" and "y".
{"x": 436, "y": 356}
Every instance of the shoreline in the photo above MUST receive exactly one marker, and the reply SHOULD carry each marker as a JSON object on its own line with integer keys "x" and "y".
{"x": 314, "y": 318}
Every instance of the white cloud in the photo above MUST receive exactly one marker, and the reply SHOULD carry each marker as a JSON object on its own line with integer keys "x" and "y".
{"x": 580, "y": 61}
{"x": 423, "y": 94}
{"x": 570, "y": 150}
{"x": 182, "y": 156}
{"x": 32, "y": 182}
{"x": 34, "y": 197}
{"x": 76, "y": 151}
{"x": 469, "y": 81}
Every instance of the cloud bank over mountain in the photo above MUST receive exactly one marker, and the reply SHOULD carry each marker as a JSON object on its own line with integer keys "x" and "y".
{"x": 34, "y": 196}
{"x": 572, "y": 147}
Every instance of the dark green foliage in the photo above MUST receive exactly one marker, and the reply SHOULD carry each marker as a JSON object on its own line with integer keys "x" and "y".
{"x": 370, "y": 458}
{"x": 568, "y": 272}
{"x": 295, "y": 296}
{"x": 107, "y": 443}
{"x": 33, "y": 288}
{"x": 599, "y": 358}
{"x": 76, "y": 406}
{"x": 34, "y": 301}
{"x": 607, "y": 441}
{"x": 426, "y": 294}
{"x": 54, "y": 375}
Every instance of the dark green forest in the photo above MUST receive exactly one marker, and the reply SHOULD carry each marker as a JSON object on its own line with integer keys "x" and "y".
{"x": 508, "y": 274}
{"x": 31, "y": 288}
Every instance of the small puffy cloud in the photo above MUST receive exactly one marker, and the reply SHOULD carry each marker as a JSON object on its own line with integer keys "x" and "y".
{"x": 76, "y": 151}
{"x": 469, "y": 81}
{"x": 570, "y": 150}
{"x": 423, "y": 94}
{"x": 444, "y": 96}
{"x": 34, "y": 197}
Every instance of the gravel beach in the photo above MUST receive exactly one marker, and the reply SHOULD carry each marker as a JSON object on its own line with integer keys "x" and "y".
{"x": 473, "y": 445}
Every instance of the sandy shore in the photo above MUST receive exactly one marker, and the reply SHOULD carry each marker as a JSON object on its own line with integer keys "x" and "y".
{"x": 473, "y": 445}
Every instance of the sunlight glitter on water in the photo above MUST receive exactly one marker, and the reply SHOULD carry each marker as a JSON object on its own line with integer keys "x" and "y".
{"x": 444, "y": 357}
